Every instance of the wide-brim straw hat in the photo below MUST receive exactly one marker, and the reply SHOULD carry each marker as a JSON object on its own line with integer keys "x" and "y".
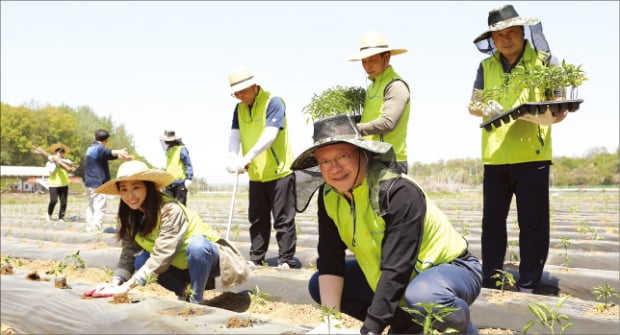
{"x": 502, "y": 18}
{"x": 136, "y": 170}
{"x": 336, "y": 129}
{"x": 374, "y": 43}
{"x": 57, "y": 146}
{"x": 169, "y": 135}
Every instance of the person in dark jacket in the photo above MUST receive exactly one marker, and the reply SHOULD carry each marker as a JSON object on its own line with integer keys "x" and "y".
{"x": 405, "y": 250}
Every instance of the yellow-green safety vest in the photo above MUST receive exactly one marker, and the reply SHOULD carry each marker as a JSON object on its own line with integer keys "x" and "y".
{"x": 373, "y": 106}
{"x": 174, "y": 165}
{"x": 440, "y": 243}
{"x": 196, "y": 228}
{"x": 275, "y": 162}
{"x": 60, "y": 177}
{"x": 518, "y": 141}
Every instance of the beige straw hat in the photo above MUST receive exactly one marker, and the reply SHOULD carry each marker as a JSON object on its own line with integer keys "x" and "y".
{"x": 57, "y": 146}
{"x": 136, "y": 170}
{"x": 241, "y": 78}
{"x": 374, "y": 43}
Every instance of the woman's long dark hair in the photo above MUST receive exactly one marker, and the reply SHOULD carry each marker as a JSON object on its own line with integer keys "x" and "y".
{"x": 134, "y": 222}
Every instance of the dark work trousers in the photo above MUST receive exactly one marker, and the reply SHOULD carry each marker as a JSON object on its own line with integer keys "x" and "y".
{"x": 58, "y": 192}
{"x": 275, "y": 198}
{"x": 454, "y": 284}
{"x": 178, "y": 192}
{"x": 529, "y": 182}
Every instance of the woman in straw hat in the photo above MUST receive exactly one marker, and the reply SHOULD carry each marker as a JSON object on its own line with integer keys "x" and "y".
{"x": 517, "y": 156}
{"x": 58, "y": 181}
{"x": 385, "y": 116}
{"x": 171, "y": 242}
{"x": 406, "y": 250}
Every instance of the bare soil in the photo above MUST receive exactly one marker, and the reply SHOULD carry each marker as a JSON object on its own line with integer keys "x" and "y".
{"x": 303, "y": 314}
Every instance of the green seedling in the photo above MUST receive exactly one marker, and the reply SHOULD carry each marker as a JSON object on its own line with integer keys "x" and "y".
{"x": 330, "y": 314}
{"x": 503, "y": 278}
{"x": 7, "y": 260}
{"x": 594, "y": 236}
{"x": 189, "y": 293}
{"x": 605, "y": 292}
{"x": 107, "y": 271}
{"x": 564, "y": 243}
{"x": 514, "y": 256}
{"x": 257, "y": 298}
{"x": 549, "y": 317}
{"x": 433, "y": 313}
{"x": 465, "y": 230}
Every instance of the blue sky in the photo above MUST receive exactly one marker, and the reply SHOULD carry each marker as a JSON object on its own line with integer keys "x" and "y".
{"x": 163, "y": 65}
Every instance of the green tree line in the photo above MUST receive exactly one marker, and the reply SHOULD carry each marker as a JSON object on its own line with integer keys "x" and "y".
{"x": 30, "y": 125}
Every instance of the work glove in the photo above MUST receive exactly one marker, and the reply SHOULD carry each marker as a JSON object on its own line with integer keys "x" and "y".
{"x": 188, "y": 183}
{"x": 492, "y": 109}
{"x": 334, "y": 326}
{"x": 107, "y": 290}
{"x": 236, "y": 165}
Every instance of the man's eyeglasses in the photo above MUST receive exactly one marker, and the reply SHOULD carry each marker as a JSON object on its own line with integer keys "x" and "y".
{"x": 342, "y": 160}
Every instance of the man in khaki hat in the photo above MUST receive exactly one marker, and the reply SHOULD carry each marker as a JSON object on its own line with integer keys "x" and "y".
{"x": 517, "y": 156}
{"x": 386, "y": 108}
{"x": 260, "y": 128}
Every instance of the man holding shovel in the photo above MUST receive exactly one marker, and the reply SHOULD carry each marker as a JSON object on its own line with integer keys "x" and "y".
{"x": 259, "y": 127}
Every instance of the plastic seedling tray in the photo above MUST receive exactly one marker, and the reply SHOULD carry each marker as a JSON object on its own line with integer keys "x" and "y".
{"x": 537, "y": 112}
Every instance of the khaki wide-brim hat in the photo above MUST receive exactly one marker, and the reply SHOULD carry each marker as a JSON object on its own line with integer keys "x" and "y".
{"x": 502, "y": 18}
{"x": 57, "y": 146}
{"x": 136, "y": 170}
{"x": 374, "y": 43}
{"x": 169, "y": 135}
{"x": 335, "y": 129}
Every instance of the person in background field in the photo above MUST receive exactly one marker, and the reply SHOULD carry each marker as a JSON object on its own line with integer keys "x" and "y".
{"x": 97, "y": 173}
{"x": 386, "y": 109}
{"x": 58, "y": 167}
{"x": 259, "y": 126}
{"x": 517, "y": 156}
{"x": 178, "y": 164}
{"x": 162, "y": 239}
{"x": 405, "y": 249}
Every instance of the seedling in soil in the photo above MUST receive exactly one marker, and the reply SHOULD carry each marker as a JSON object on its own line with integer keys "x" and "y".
{"x": 503, "y": 278}
{"x": 108, "y": 271}
{"x": 7, "y": 267}
{"x": 605, "y": 293}
{"x": 189, "y": 293}
{"x": 465, "y": 231}
{"x": 549, "y": 317}
{"x": 594, "y": 236}
{"x": 564, "y": 243}
{"x": 330, "y": 314}
{"x": 257, "y": 298}
{"x": 433, "y": 312}
{"x": 514, "y": 257}
{"x": 58, "y": 267}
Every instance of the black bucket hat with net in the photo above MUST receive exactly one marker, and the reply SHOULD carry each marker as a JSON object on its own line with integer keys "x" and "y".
{"x": 506, "y": 17}
{"x": 331, "y": 130}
